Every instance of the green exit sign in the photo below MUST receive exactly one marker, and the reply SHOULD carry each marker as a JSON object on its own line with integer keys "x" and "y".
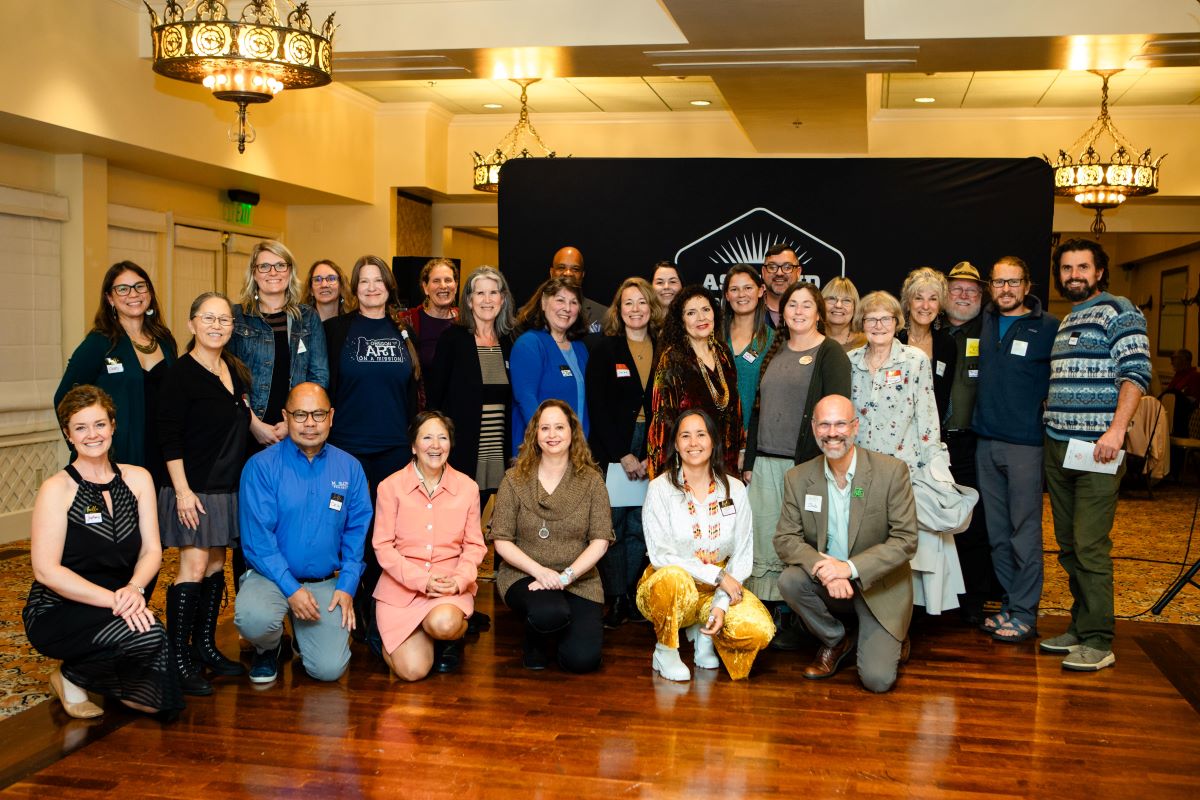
{"x": 238, "y": 213}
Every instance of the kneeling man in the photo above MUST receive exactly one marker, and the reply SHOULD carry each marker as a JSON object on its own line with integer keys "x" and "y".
{"x": 847, "y": 531}
{"x": 304, "y": 511}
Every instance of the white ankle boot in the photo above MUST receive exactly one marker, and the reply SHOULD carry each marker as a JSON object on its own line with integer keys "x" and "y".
{"x": 668, "y": 664}
{"x": 706, "y": 654}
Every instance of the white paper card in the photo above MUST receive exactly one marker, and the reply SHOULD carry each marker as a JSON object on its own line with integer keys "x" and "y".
{"x": 114, "y": 368}
{"x": 622, "y": 492}
{"x": 940, "y": 369}
{"x": 300, "y": 348}
{"x": 1079, "y": 456}
{"x": 812, "y": 502}
{"x": 1019, "y": 348}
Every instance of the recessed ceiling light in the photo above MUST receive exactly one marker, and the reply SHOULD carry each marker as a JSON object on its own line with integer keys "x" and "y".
{"x": 492, "y": 105}
{"x": 925, "y": 100}
{"x": 701, "y": 103}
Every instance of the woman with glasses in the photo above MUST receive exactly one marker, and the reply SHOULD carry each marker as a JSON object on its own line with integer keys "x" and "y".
{"x": 437, "y": 312}
{"x": 203, "y": 424}
{"x": 666, "y": 282}
{"x": 695, "y": 370}
{"x": 800, "y": 368}
{"x": 326, "y": 289}
{"x": 279, "y": 339}
{"x": 127, "y": 354}
{"x": 891, "y": 386}
{"x": 699, "y": 536}
{"x": 842, "y": 323}
{"x": 747, "y": 331}
{"x": 923, "y": 298}
{"x": 374, "y": 384}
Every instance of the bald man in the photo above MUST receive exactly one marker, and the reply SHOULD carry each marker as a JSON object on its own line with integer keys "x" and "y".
{"x": 568, "y": 263}
{"x": 304, "y": 510}
{"x": 847, "y": 531}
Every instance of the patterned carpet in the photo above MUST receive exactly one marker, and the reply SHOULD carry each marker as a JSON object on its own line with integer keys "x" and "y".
{"x": 1146, "y": 532}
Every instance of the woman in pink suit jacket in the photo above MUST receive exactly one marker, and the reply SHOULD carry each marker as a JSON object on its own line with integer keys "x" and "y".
{"x": 429, "y": 544}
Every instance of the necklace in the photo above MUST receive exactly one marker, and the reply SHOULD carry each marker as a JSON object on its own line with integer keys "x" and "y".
{"x": 145, "y": 349}
{"x": 214, "y": 370}
{"x": 543, "y": 532}
{"x": 429, "y": 490}
{"x": 722, "y": 400}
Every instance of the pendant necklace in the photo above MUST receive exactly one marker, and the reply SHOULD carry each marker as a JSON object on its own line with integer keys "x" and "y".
{"x": 543, "y": 532}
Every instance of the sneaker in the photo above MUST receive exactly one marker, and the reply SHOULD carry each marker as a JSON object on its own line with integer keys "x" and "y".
{"x": 265, "y": 666}
{"x": 1089, "y": 659}
{"x": 1063, "y": 643}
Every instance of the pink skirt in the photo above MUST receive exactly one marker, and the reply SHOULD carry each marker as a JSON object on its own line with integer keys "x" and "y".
{"x": 397, "y": 623}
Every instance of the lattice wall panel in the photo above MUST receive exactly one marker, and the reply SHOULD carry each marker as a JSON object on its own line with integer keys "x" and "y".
{"x": 22, "y": 469}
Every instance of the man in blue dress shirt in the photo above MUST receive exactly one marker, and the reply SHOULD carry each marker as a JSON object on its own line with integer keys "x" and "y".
{"x": 304, "y": 511}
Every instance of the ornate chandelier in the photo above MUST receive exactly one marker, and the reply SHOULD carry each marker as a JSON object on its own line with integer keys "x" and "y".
{"x": 487, "y": 168}
{"x": 1099, "y": 184}
{"x": 243, "y": 61}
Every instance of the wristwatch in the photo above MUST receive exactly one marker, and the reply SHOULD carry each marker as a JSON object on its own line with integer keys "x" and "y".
{"x": 566, "y": 576}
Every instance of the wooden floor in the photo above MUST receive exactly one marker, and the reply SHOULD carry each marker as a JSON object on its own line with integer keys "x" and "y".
{"x": 969, "y": 718}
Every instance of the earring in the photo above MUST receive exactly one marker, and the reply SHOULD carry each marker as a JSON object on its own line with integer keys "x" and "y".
{"x": 149, "y": 312}
{"x": 113, "y": 308}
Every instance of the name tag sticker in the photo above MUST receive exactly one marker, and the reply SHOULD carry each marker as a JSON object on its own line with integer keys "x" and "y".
{"x": 893, "y": 376}
{"x": 726, "y": 507}
{"x": 93, "y": 518}
{"x": 566, "y": 371}
{"x": 972, "y": 373}
{"x": 335, "y": 501}
{"x": 972, "y": 348}
{"x": 812, "y": 502}
{"x": 1019, "y": 347}
{"x": 300, "y": 348}
{"x": 940, "y": 369}
{"x": 113, "y": 365}
{"x": 750, "y": 356}
{"x": 622, "y": 371}
{"x": 1074, "y": 340}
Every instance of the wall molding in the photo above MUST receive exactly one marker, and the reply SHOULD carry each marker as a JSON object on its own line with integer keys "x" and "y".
{"x": 26, "y": 203}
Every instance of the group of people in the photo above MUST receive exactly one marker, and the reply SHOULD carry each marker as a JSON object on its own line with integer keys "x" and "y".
{"x": 786, "y": 438}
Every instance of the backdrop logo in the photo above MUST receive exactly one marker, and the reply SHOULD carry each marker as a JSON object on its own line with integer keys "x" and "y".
{"x": 746, "y": 239}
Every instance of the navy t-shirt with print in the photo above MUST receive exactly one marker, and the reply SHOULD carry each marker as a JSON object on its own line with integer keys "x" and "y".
{"x": 374, "y": 371}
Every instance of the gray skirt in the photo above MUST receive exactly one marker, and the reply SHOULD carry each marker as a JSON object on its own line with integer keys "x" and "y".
{"x": 218, "y": 525}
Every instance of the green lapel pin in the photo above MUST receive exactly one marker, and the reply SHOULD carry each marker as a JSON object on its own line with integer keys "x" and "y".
{"x": 858, "y": 492}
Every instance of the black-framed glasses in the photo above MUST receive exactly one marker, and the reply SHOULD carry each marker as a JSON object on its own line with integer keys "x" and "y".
{"x": 122, "y": 289}
{"x": 300, "y": 415}
{"x": 1012, "y": 283}
{"x": 278, "y": 266}
{"x": 784, "y": 268}
{"x": 213, "y": 319}
{"x": 330, "y": 279}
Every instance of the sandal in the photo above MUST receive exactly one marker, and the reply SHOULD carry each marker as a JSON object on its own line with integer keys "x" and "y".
{"x": 1013, "y": 631}
{"x": 994, "y": 622}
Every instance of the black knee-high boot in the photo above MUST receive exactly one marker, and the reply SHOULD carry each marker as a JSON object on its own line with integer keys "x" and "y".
{"x": 204, "y": 632}
{"x": 182, "y": 601}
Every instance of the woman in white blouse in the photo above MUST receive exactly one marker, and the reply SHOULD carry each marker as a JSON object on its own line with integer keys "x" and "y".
{"x": 699, "y": 536}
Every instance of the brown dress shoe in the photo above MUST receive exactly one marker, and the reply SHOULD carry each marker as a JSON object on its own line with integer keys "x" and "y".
{"x": 829, "y": 660}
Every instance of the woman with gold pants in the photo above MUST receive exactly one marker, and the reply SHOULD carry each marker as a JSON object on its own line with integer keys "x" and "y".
{"x": 699, "y": 536}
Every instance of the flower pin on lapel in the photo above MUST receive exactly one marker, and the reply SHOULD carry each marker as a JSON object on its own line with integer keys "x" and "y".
{"x": 858, "y": 492}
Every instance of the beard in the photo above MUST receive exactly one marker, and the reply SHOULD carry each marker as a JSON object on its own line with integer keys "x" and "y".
{"x": 1078, "y": 290}
{"x": 1008, "y": 302}
{"x": 834, "y": 446}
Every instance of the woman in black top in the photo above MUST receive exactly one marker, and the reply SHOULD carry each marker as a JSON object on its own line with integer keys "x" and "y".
{"x": 923, "y": 298}
{"x": 619, "y": 390}
{"x": 203, "y": 423}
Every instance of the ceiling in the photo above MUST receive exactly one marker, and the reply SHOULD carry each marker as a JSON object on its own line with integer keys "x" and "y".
{"x": 793, "y": 73}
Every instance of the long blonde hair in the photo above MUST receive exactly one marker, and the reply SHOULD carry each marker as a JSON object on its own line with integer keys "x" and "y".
{"x": 291, "y": 293}
{"x": 530, "y": 454}
{"x": 614, "y": 325}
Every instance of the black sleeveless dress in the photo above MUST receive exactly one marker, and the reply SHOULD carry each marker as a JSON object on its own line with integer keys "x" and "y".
{"x": 99, "y": 651}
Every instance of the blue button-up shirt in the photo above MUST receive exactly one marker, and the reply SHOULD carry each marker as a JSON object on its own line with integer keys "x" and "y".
{"x": 290, "y": 528}
{"x": 837, "y": 534}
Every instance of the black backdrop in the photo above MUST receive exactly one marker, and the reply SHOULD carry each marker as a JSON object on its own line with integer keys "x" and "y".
{"x": 876, "y": 219}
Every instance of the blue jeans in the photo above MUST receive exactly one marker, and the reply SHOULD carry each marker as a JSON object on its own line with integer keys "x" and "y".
{"x": 324, "y": 645}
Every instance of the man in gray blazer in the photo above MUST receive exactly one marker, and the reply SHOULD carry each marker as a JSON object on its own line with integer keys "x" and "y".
{"x": 847, "y": 531}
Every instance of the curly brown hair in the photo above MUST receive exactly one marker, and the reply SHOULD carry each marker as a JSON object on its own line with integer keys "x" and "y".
{"x": 530, "y": 454}
{"x": 81, "y": 397}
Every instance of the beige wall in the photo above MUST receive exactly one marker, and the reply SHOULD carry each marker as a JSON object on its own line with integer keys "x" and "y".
{"x": 414, "y": 227}
{"x": 472, "y": 248}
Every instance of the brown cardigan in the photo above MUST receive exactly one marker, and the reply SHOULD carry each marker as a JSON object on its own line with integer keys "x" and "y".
{"x": 576, "y": 514}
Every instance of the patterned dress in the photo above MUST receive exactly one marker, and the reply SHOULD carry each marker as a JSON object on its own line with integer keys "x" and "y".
{"x": 896, "y": 405}
{"x": 716, "y": 393}
{"x": 99, "y": 651}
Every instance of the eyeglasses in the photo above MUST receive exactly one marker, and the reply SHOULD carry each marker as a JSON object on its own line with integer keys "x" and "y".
{"x": 331, "y": 279}
{"x": 213, "y": 319}
{"x": 785, "y": 268}
{"x": 1000, "y": 283}
{"x": 840, "y": 301}
{"x": 319, "y": 415}
{"x": 122, "y": 289}
{"x": 278, "y": 266}
{"x": 878, "y": 322}
{"x": 965, "y": 291}
{"x": 840, "y": 426}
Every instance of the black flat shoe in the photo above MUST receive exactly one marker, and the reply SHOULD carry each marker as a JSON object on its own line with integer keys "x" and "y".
{"x": 478, "y": 621}
{"x": 447, "y": 656}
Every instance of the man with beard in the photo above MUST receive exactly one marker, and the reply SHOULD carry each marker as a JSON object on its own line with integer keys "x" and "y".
{"x": 1014, "y": 377}
{"x": 974, "y": 551}
{"x": 781, "y": 268}
{"x": 1099, "y": 370}
{"x": 847, "y": 530}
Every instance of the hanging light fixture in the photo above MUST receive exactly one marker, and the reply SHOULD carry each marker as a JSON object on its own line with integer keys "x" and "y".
{"x": 486, "y": 176}
{"x": 243, "y": 61}
{"x": 1104, "y": 184}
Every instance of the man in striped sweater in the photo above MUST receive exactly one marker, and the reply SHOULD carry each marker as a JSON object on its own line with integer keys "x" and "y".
{"x": 1099, "y": 369}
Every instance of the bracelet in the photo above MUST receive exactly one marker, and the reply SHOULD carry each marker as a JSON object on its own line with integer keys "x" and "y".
{"x": 139, "y": 589}
{"x": 720, "y": 577}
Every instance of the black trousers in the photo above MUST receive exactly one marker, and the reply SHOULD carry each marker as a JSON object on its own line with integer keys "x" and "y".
{"x": 974, "y": 548}
{"x": 577, "y": 623}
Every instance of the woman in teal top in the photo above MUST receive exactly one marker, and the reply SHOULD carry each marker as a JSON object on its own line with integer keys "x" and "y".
{"x": 127, "y": 353}
{"x": 747, "y": 331}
